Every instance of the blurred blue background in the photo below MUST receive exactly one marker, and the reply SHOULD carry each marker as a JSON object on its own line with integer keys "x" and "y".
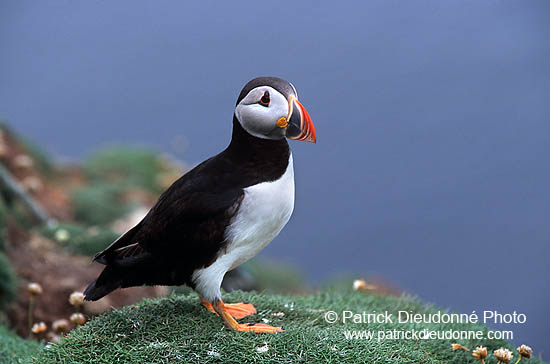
{"x": 431, "y": 167}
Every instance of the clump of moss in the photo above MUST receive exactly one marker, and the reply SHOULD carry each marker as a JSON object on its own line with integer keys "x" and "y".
{"x": 99, "y": 203}
{"x": 13, "y": 349}
{"x": 79, "y": 239}
{"x": 127, "y": 166}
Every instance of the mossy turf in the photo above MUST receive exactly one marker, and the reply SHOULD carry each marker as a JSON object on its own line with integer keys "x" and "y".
{"x": 13, "y": 349}
{"x": 127, "y": 166}
{"x": 99, "y": 203}
{"x": 177, "y": 329}
{"x": 79, "y": 239}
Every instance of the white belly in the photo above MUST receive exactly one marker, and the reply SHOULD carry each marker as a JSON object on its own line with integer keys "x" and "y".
{"x": 264, "y": 211}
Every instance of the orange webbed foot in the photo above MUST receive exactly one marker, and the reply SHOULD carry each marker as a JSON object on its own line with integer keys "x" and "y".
{"x": 240, "y": 310}
{"x": 237, "y": 310}
{"x": 258, "y": 328}
{"x": 229, "y": 311}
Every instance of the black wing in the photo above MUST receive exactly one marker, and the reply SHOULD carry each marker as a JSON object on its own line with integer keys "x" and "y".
{"x": 187, "y": 224}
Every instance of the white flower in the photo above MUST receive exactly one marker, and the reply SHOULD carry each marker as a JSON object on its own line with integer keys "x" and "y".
{"x": 503, "y": 355}
{"x": 480, "y": 353}
{"x": 525, "y": 351}
{"x": 34, "y": 289}
{"x": 76, "y": 299}
{"x": 52, "y": 338}
{"x": 60, "y": 326}
{"x": 458, "y": 347}
{"x": 62, "y": 235}
{"x": 262, "y": 349}
{"x": 78, "y": 319}
{"x": 361, "y": 285}
{"x": 39, "y": 328}
{"x": 213, "y": 353}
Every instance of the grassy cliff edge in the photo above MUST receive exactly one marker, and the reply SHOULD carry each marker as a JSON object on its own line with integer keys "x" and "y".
{"x": 178, "y": 329}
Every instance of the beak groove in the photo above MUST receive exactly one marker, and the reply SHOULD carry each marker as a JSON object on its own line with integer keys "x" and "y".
{"x": 300, "y": 123}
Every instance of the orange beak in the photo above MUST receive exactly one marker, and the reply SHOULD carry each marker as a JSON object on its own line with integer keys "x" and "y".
{"x": 300, "y": 126}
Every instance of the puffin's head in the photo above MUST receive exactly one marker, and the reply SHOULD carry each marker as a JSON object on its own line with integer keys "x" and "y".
{"x": 268, "y": 108}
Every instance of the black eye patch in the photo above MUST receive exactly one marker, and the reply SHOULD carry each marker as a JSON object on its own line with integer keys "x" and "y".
{"x": 265, "y": 99}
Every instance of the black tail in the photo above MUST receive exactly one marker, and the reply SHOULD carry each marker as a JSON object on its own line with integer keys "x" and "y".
{"x": 110, "y": 279}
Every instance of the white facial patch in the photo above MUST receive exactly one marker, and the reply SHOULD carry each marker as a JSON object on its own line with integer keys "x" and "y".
{"x": 260, "y": 120}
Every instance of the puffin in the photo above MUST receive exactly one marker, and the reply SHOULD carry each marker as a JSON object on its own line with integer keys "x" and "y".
{"x": 222, "y": 212}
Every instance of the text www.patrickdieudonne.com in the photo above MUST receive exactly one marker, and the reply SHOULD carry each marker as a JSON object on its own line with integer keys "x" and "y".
{"x": 427, "y": 334}
{"x": 410, "y": 318}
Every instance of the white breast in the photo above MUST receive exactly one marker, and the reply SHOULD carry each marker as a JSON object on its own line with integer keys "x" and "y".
{"x": 264, "y": 211}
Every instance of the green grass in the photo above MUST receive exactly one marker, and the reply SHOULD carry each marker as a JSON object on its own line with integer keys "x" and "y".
{"x": 79, "y": 239}
{"x": 178, "y": 330}
{"x": 99, "y": 203}
{"x": 127, "y": 166}
{"x": 13, "y": 349}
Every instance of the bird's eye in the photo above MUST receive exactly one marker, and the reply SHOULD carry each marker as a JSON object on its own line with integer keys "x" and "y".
{"x": 265, "y": 99}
